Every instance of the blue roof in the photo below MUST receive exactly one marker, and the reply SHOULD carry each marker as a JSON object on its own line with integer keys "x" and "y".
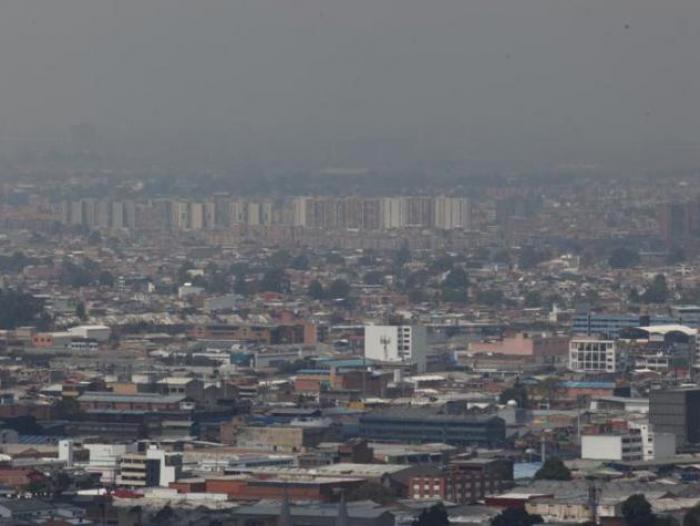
{"x": 355, "y": 362}
{"x": 39, "y": 439}
{"x": 589, "y": 385}
{"x": 525, "y": 470}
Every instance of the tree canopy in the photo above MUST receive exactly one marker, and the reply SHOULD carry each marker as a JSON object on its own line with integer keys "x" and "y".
{"x": 553, "y": 469}
{"x": 516, "y": 517}
{"x": 18, "y": 309}
{"x": 516, "y": 392}
{"x": 623, "y": 257}
{"x": 637, "y": 511}
{"x": 435, "y": 515}
{"x": 656, "y": 291}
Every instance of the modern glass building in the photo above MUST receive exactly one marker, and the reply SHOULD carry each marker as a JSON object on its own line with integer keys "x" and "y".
{"x": 424, "y": 426}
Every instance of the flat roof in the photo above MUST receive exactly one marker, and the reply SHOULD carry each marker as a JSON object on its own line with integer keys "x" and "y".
{"x": 103, "y": 396}
{"x": 671, "y": 327}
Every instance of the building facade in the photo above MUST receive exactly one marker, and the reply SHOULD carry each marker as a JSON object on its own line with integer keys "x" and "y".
{"x": 596, "y": 356}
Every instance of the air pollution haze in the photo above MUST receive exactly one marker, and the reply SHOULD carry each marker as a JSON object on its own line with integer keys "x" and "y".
{"x": 360, "y": 83}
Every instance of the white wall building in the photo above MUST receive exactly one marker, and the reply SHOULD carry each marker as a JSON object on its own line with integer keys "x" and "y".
{"x": 100, "y": 333}
{"x": 66, "y": 452}
{"x": 596, "y": 356}
{"x": 625, "y": 447}
{"x": 397, "y": 343}
{"x": 104, "y": 459}
{"x": 656, "y": 446}
{"x": 155, "y": 467}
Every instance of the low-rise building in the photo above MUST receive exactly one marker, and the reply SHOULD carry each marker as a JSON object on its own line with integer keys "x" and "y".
{"x": 587, "y": 355}
{"x": 622, "y": 446}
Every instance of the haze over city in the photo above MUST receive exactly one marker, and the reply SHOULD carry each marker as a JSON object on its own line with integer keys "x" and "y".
{"x": 513, "y": 84}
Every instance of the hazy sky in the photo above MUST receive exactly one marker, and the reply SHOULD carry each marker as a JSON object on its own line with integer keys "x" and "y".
{"x": 355, "y": 82}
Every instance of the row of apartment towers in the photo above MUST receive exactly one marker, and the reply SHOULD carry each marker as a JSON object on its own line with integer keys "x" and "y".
{"x": 383, "y": 213}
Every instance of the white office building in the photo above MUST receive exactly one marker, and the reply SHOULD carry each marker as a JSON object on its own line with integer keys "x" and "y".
{"x": 104, "y": 459}
{"x": 587, "y": 355}
{"x": 624, "y": 447}
{"x": 397, "y": 343}
{"x": 154, "y": 467}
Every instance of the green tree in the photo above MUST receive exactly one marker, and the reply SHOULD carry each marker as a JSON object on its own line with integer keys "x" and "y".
{"x": 516, "y": 517}
{"x": 533, "y": 299}
{"x": 692, "y": 517}
{"x": 95, "y": 238}
{"x": 315, "y": 290}
{"x": 241, "y": 285}
{"x": 335, "y": 259}
{"x": 137, "y": 513}
{"x": 163, "y": 516}
{"x": 435, "y": 515}
{"x": 59, "y": 483}
{"x": 38, "y": 487}
{"x": 530, "y": 257}
{"x": 274, "y": 280}
{"x": 675, "y": 256}
{"x": 339, "y": 289}
{"x": 455, "y": 286}
{"x": 280, "y": 259}
{"x": 18, "y": 309}
{"x": 489, "y": 297}
{"x": 80, "y": 311}
{"x": 14, "y": 263}
{"x": 516, "y": 392}
{"x": 553, "y": 469}
{"x": 657, "y": 291}
{"x": 637, "y": 511}
{"x": 402, "y": 255}
{"x": 300, "y": 262}
{"x": 373, "y": 277}
{"x": 106, "y": 279}
{"x": 442, "y": 264}
{"x": 623, "y": 257}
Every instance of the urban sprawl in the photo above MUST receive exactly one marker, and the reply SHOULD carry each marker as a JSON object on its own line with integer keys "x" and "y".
{"x": 499, "y": 351}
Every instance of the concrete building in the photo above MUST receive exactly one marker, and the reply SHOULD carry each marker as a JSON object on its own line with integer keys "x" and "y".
{"x": 451, "y": 213}
{"x": 405, "y": 344}
{"x": 676, "y": 411}
{"x": 281, "y": 438}
{"x": 544, "y": 349}
{"x": 624, "y": 446}
{"x": 464, "y": 481}
{"x": 154, "y": 467}
{"x": 393, "y": 213}
{"x": 656, "y": 445}
{"x": 587, "y": 355}
{"x": 104, "y": 459}
{"x": 417, "y": 425}
{"x": 610, "y": 325}
{"x": 268, "y": 514}
{"x": 100, "y": 333}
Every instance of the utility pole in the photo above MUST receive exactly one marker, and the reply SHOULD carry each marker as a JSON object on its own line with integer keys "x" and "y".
{"x": 543, "y": 453}
{"x": 593, "y": 500}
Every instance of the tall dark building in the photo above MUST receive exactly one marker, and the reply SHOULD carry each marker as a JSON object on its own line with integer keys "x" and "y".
{"x": 418, "y": 425}
{"x": 676, "y": 411}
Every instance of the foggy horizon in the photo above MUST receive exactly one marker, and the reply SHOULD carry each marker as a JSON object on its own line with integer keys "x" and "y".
{"x": 361, "y": 84}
